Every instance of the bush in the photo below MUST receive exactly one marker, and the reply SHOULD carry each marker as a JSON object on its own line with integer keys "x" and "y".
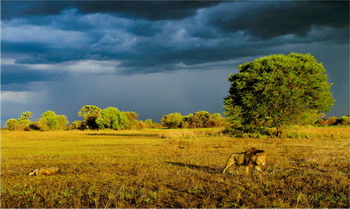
{"x": 200, "y": 119}
{"x": 250, "y": 131}
{"x": 172, "y": 120}
{"x": 34, "y": 126}
{"x": 343, "y": 121}
{"x": 321, "y": 122}
{"x": 150, "y": 124}
{"x": 77, "y": 124}
{"x": 21, "y": 123}
{"x": 331, "y": 121}
{"x": 50, "y": 121}
{"x": 11, "y": 124}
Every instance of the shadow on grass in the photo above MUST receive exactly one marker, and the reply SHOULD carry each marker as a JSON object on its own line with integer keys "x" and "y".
{"x": 196, "y": 167}
{"x": 124, "y": 135}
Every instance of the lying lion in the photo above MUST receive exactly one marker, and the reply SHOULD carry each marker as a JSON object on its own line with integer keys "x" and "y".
{"x": 252, "y": 158}
{"x": 44, "y": 171}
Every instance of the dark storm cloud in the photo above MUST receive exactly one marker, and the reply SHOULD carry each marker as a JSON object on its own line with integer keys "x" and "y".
{"x": 151, "y": 10}
{"x": 177, "y": 53}
{"x": 27, "y": 47}
{"x": 270, "y": 19}
{"x": 87, "y": 30}
{"x": 19, "y": 74}
{"x": 25, "y": 77}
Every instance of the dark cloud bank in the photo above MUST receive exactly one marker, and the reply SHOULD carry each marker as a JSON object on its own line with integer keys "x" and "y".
{"x": 114, "y": 53}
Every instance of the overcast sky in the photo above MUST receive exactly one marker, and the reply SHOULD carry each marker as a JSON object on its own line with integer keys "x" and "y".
{"x": 159, "y": 57}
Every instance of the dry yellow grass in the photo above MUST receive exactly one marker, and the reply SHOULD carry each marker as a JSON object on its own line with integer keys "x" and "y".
{"x": 151, "y": 168}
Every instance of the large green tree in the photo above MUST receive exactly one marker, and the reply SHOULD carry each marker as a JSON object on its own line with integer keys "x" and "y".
{"x": 277, "y": 91}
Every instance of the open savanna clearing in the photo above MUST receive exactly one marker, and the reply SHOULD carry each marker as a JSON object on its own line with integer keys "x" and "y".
{"x": 173, "y": 168}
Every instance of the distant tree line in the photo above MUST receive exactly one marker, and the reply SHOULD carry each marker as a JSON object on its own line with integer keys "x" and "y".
{"x": 95, "y": 118}
{"x": 48, "y": 121}
{"x": 201, "y": 119}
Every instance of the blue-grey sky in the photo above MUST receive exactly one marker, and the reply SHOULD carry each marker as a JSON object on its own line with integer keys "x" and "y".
{"x": 157, "y": 57}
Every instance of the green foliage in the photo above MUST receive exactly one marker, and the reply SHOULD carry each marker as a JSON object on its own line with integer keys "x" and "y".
{"x": 112, "y": 118}
{"x": 172, "y": 120}
{"x": 34, "y": 126}
{"x": 333, "y": 121}
{"x": 25, "y": 116}
{"x": 77, "y": 124}
{"x": 22, "y": 123}
{"x": 133, "y": 122}
{"x": 11, "y": 124}
{"x": 90, "y": 113}
{"x": 50, "y": 121}
{"x": 249, "y": 132}
{"x": 343, "y": 121}
{"x": 278, "y": 90}
{"x": 200, "y": 119}
{"x": 203, "y": 119}
{"x": 151, "y": 124}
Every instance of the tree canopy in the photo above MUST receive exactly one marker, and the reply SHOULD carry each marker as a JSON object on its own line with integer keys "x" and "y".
{"x": 22, "y": 123}
{"x": 50, "y": 121}
{"x": 112, "y": 118}
{"x": 278, "y": 90}
{"x": 90, "y": 114}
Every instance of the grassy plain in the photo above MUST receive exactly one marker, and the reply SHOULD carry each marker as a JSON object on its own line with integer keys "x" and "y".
{"x": 173, "y": 168}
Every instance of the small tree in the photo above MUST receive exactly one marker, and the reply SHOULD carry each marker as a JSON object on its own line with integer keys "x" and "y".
{"x": 203, "y": 119}
{"x": 22, "y": 123}
{"x": 151, "y": 124}
{"x": 217, "y": 120}
{"x": 112, "y": 118}
{"x": 278, "y": 90}
{"x": 77, "y": 124}
{"x": 132, "y": 118}
{"x": 172, "y": 120}
{"x": 50, "y": 121}
{"x": 90, "y": 113}
{"x": 11, "y": 124}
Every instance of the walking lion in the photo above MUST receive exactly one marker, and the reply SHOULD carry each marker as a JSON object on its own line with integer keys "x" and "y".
{"x": 251, "y": 158}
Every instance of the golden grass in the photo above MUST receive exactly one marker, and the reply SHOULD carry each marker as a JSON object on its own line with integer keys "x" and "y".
{"x": 190, "y": 133}
{"x": 163, "y": 168}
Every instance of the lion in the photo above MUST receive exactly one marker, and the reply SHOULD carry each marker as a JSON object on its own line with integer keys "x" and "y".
{"x": 44, "y": 171}
{"x": 251, "y": 158}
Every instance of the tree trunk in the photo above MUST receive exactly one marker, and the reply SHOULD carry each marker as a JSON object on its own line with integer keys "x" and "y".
{"x": 279, "y": 132}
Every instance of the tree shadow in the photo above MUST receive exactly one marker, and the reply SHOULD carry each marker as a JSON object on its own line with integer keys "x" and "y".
{"x": 196, "y": 167}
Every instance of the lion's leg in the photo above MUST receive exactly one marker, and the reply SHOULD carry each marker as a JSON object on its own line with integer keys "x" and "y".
{"x": 247, "y": 170}
{"x": 229, "y": 163}
{"x": 256, "y": 167}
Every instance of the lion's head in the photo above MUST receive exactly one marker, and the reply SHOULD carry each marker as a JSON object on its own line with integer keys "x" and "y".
{"x": 259, "y": 158}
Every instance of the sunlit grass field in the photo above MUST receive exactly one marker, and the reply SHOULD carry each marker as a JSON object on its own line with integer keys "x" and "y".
{"x": 173, "y": 168}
